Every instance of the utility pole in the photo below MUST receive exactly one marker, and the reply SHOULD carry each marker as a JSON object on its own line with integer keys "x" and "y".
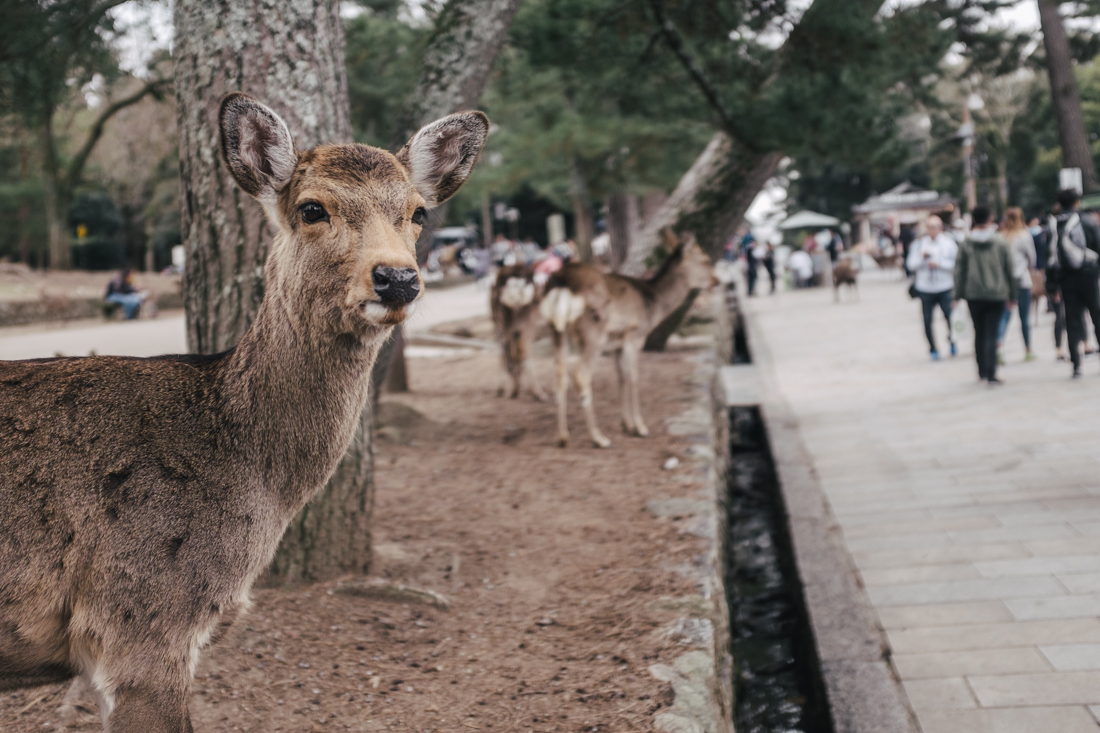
{"x": 1063, "y": 90}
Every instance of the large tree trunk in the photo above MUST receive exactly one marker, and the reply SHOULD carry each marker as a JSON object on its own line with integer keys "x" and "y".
{"x": 582, "y": 212}
{"x": 290, "y": 56}
{"x": 710, "y": 200}
{"x": 56, "y": 202}
{"x": 1063, "y": 90}
{"x": 468, "y": 36}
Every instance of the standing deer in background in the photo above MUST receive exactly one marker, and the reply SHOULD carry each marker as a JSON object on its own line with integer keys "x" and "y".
{"x": 514, "y": 302}
{"x": 845, "y": 272}
{"x": 141, "y": 498}
{"x": 598, "y": 309}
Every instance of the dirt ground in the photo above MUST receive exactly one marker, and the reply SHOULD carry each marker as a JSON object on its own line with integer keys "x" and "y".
{"x": 18, "y": 283}
{"x": 553, "y": 570}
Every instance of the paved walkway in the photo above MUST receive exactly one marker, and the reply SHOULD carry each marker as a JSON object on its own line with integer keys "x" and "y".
{"x": 168, "y": 334}
{"x": 973, "y": 514}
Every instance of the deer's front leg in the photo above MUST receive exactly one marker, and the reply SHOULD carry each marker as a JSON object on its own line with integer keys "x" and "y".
{"x": 624, "y": 390}
{"x": 561, "y": 385}
{"x": 147, "y": 708}
{"x": 583, "y": 378}
{"x": 78, "y": 690}
{"x": 632, "y": 353}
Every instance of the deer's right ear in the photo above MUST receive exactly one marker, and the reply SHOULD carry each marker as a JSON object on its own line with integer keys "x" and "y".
{"x": 256, "y": 146}
{"x": 441, "y": 156}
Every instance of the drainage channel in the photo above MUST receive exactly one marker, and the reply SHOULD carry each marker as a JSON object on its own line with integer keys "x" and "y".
{"x": 777, "y": 681}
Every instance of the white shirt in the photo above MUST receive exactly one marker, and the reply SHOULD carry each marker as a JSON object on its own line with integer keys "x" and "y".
{"x": 801, "y": 264}
{"x": 942, "y": 252}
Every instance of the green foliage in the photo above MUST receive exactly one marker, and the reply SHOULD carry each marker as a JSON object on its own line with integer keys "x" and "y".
{"x": 47, "y": 48}
{"x": 384, "y": 52}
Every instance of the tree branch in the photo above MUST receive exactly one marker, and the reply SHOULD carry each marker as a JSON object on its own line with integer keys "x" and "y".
{"x": 76, "y": 166}
{"x": 676, "y": 43}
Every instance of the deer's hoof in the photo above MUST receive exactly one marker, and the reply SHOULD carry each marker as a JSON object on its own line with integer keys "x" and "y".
{"x": 642, "y": 431}
{"x": 563, "y": 442}
{"x": 601, "y": 441}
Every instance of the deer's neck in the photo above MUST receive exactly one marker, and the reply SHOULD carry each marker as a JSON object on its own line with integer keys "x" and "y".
{"x": 669, "y": 289}
{"x": 297, "y": 391}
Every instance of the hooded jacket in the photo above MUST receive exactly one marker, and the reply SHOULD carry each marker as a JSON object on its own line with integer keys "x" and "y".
{"x": 983, "y": 268}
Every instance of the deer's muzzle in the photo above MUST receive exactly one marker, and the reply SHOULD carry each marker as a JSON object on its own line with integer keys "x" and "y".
{"x": 395, "y": 285}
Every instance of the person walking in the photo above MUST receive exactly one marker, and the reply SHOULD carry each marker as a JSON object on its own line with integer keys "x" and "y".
{"x": 984, "y": 279}
{"x": 748, "y": 250}
{"x": 932, "y": 258}
{"x": 1072, "y": 271}
{"x": 1022, "y": 247}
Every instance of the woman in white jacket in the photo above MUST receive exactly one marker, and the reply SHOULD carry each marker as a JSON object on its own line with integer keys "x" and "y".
{"x": 932, "y": 259}
{"x": 1022, "y": 247}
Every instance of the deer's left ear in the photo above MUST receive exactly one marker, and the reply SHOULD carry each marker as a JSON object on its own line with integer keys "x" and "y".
{"x": 441, "y": 155}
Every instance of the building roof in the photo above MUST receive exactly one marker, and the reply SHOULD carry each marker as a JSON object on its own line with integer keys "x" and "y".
{"x": 809, "y": 220}
{"x": 905, "y": 196}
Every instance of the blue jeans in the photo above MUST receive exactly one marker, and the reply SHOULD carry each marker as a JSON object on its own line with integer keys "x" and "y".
{"x": 1023, "y": 304}
{"x": 130, "y": 302}
{"x": 928, "y": 302}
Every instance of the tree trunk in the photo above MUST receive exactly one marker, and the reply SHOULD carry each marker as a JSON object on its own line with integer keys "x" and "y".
{"x": 623, "y": 223}
{"x": 468, "y": 36}
{"x": 291, "y": 57}
{"x": 582, "y": 212}
{"x": 710, "y": 200}
{"x": 56, "y": 203}
{"x": 1063, "y": 90}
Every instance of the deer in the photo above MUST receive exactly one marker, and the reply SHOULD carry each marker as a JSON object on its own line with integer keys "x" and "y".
{"x": 597, "y": 310}
{"x": 140, "y": 499}
{"x": 514, "y": 304}
{"x": 845, "y": 272}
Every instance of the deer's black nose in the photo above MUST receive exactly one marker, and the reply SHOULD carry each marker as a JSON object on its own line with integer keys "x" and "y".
{"x": 396, "y": 284}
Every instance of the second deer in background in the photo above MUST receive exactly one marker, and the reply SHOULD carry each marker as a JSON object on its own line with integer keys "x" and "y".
{"x": 514, "y": 302}
{"x": 597, "y": 309}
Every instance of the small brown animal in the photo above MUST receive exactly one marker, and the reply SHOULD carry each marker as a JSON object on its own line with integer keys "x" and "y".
{"x": 141, "y": 498}
{"x": 514, "y": 303}
{"x": 596, "y": 309}
{"x": 845, "y": 272}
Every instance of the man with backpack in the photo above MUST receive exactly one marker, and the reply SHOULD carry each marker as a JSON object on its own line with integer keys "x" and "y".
{"x": 1073, "y": 266}
{"x": 983, "y": 278}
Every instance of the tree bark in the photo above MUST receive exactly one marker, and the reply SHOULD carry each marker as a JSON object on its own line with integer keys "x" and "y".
{"x": 468, "y": 36}
{"x": 56, "y": 202}
{"x": 582, "y": 213}
{"x": 290, "y": 56}
{"x": 1063, "y": 90}
{"x": 710, "y": 200}
{"x": 623, "y": 223}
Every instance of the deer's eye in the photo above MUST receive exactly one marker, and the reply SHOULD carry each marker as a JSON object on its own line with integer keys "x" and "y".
{"x": 313, "y": 213}
{"x": 418, "y": 216}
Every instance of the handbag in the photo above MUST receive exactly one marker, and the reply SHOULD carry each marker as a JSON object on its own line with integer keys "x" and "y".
{"x": 913, "y": 292}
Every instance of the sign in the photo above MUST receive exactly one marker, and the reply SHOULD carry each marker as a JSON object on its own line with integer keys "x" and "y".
{"x": 1071, "y": 178}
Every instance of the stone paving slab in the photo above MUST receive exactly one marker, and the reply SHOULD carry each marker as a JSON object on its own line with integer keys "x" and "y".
{"x": 971, "y": 514}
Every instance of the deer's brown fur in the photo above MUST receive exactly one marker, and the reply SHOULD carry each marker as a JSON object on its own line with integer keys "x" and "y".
{"x": 140, "y": 498}
{"x": 514, "y": 304}
{"x": 598, "y": 309}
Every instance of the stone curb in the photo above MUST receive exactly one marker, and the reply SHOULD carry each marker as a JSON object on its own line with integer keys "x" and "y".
{"x": 702, "y": 676}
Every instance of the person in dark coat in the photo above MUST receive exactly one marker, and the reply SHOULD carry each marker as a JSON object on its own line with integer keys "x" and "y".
{"x": 984, "y": 279}
{"x": 1073, "y": 266}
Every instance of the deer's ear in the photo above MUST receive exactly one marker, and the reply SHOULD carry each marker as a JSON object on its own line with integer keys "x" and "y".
{"x": 441, "y": 155}
{"x": 256, "y": 146}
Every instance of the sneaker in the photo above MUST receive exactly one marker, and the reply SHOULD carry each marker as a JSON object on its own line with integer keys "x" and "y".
{"x": 1076, "y": 373}
{"x": 994, "y": 382}
{"x": 935, "y": 356}
{"x": 954, "y": 349}
{"x": 1029, "y": 356}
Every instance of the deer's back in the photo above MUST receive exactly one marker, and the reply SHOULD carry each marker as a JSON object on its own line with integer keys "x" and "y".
{"x": 109, "y": 470}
